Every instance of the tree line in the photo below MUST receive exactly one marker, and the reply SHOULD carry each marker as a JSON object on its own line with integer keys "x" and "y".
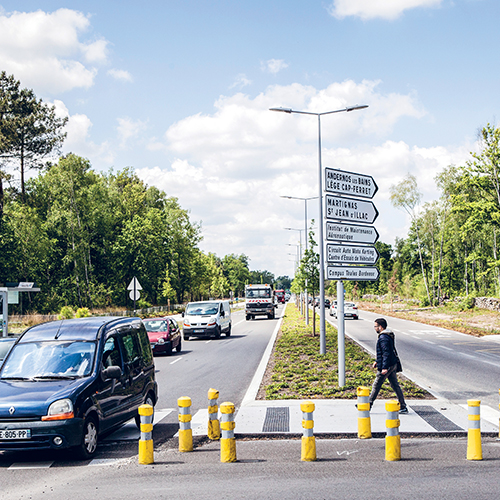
{"x": 82, "y": 235}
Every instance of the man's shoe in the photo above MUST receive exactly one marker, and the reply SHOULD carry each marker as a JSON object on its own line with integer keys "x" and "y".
{"x": 403, "y": 411}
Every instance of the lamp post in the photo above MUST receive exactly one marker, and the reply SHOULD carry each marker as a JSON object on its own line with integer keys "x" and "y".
{"x": 322, "y": 326}
{"x": 297, "y": 264}
{"x": 305, "y": 200}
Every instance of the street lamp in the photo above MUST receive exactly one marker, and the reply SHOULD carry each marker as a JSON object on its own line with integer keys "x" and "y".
{"x": 305, "y": 200}
{"x": 322, "y": 326}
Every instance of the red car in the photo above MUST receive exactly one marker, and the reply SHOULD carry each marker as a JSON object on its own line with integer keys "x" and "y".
{"x": 164, "y": 335}
{"x": 280, "y": 296}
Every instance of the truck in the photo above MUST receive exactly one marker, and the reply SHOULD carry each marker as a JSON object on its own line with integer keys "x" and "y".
{"x": 259, "y": 301}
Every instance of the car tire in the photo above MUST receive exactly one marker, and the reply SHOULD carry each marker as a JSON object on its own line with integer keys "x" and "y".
{"x": 147, "y": 401}
{"x": 218, "y": 333}
{"x": 178, "y": 347}
{"x": 88, "y": 447}
{"x": 228, "y": 333}
{"x": 186, "y": 337}
{"x": 247, "y": 317}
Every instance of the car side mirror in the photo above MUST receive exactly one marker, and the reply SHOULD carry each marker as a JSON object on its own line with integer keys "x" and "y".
{"x": 222, "y": 314}
{"x": 112, "y": 372}
{"x": 182, "y": 314}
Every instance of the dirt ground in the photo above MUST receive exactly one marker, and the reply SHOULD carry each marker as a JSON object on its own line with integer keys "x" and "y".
{"x": 476, "y": 322}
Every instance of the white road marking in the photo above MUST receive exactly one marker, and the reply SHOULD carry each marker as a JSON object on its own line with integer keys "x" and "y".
{"x": 31, "y": 465}
{"x": 487, "y": 413}
{"x": 175, "y": 360}
{"x": 429, "y": 341}
{"x": 98, "y": 462}
{"x": 447, "y": 348}
{"x": 208, "y": 341}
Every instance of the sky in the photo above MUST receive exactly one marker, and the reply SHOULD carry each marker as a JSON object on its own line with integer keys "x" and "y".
{"x": 181, "y": 91}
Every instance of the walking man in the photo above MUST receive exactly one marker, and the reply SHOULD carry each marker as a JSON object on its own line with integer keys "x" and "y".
{"x": 386, "y": 364}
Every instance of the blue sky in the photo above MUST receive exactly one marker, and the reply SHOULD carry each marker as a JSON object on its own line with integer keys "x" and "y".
{"x": 180, "y": 91}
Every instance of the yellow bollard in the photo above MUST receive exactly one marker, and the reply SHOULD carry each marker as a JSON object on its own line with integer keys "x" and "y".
{"x": 146, "y": 452}
{"x": 185, "y": 431}
{"x": 474, "y": 450}
{"x": 227, "y": 442}
{"x": 308, "y": 453}
{"x": 392, "y": 438}
{"x": 364, "y": 421}
{"x": 213, "y": 417}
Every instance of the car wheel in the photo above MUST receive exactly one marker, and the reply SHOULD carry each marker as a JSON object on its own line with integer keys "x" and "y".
{"x": 168, "y": 350}
{"x": 179, "y": 346}
{"x": 228, "y": 333}
{"x": 186, "y": 337}
{"x": 88, "y": 446}
{"x": 218, "y": 333}
{"x": 247, "y": 317}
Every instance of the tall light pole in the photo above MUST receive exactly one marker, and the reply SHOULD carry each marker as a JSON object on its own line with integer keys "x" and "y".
{"x": 322, "y": 326}
{"x": 305, "y": 200}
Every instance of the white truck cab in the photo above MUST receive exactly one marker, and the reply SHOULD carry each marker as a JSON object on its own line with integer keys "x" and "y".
{"x": 259, "y": 301}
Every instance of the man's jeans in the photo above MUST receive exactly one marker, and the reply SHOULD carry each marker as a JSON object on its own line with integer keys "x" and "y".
{"x": 393, "y": 380}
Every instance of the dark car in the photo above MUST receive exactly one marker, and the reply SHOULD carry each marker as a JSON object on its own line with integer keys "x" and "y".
{"x": 6, "y": 344}
{"x": 164, "y": 335}
{"x": 65, "y": 383}
{"x": 327, "y": 303}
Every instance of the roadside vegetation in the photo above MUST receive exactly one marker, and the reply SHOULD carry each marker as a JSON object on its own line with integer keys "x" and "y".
{"x": 453, "y": 316}
{"x": 296, "y": 370}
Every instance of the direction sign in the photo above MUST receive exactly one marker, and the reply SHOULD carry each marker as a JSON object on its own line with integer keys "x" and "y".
{"x": 350, "y": 209}
{"x": 352, "y": 273}
{"x": 134, "y": 284}
{"x": 351, "y": 233}
{"x": 342, "y": 182}
{"x": 351, "y": 254}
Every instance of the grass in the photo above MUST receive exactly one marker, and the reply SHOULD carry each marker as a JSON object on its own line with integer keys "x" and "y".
{"x": 296, "y": 370}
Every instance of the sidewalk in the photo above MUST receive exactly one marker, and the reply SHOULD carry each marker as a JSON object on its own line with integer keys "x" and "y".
{"x": 335, "y": 417}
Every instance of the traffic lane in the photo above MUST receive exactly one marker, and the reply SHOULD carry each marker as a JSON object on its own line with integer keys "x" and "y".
{"x": 272, "y": 469}
{"x": 451, "y": 364}
{"x": 226, "y": 364}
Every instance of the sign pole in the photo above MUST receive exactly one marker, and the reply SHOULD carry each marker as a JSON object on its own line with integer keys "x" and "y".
{"x": 5, "y": 312}
{"x": 341, "y": 332}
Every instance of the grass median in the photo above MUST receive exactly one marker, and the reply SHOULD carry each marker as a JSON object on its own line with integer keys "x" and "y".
{"x": 296, "y": 370}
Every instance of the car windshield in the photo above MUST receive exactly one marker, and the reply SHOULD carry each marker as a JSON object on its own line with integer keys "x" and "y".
{"x": 5, "y": 346}
{"x": 262, "y": 293}
{"x": 51, "y": 359}
{"x": 202, "y": 309}
{"x": 156, "y": 325}
{"x": 350, "y": 304}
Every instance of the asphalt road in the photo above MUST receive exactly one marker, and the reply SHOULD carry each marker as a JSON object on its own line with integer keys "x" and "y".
{"x": 345, "y": 469}
{"x": 450, "y": 364}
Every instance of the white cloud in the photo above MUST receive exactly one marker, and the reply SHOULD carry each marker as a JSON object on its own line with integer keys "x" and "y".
{"x": 78, "y": 137}
{"x": 370, "y": 9}
{"x": 45, "y": 52}
{"x": 274, "y": 66}
{"x": 120, "y": 74}
{"x": 232, "y": 165}
{"x": 240, "y": 82}
{"x": 129, "y": 129}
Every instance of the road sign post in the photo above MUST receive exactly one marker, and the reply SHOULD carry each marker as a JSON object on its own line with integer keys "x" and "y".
{"x": 134, "y": 287}
{"x": 351, "y": 233}
{"x": 350, "y": 183}
{"x": 351, "y": 254}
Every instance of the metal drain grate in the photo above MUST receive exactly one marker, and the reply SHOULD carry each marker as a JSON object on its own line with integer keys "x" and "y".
{"x": 277, "y": 420}
{"x": 436, "y": 419}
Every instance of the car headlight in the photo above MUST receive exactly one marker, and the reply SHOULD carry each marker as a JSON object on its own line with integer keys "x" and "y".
{"x": 212, "y": 321}
{"x": 161, "y": 340}
{"x": 61, "y": 409}
{"x": 186, "y": 323}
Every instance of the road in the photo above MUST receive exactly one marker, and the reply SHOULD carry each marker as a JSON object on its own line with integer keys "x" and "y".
{"x": 227, "y": 364}
{"x": 451, "y": 364}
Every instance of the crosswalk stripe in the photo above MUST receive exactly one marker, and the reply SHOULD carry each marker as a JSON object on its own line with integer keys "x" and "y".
{"x": 31, "y": 465}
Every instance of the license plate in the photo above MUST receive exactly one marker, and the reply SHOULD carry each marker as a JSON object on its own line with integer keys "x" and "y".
{"x": 16, "y": 434}
{"x": 198, "y": 331}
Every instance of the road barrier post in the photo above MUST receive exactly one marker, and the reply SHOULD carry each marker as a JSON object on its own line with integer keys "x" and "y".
{"x": 392, "y": 438}
{"x": 213, "y": 417}
{"x": 185, "y": 431}
{"x": 227, "y": 442}
{"x": 474, "y": 450}
{"x": 146, "y": 450}
{"x": 308, "y": 453}
{"x": 364, "y": 421}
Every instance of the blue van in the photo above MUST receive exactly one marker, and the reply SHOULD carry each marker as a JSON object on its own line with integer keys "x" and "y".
{"x": 65, "y": 383}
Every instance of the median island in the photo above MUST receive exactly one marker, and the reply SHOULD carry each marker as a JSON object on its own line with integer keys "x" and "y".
{"x": 296, "y": 370}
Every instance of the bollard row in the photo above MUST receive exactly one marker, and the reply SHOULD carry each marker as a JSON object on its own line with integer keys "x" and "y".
{"x": 213, "y": 416}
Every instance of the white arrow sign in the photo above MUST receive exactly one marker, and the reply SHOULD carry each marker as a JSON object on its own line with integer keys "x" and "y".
{"x": 350, "y": 209}
{"x": 134, "y": 284}
{"x": 342, "y": 182}
{"x": 351, "y": 233}
{"x": 352, "y": 273}
{"x": 351, "y": 254}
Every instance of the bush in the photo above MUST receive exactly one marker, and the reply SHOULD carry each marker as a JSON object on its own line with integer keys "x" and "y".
{"x": 67, "y": 312}
{"x": 82, "y": 312}
{"x": 466, "y": 303}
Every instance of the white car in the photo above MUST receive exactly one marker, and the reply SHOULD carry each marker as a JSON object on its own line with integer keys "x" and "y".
{"x": 350, "y": 310}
